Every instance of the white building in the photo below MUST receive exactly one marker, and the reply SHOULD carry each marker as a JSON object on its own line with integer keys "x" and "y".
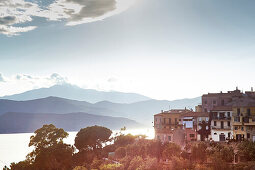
{"x": 221, "y": 125}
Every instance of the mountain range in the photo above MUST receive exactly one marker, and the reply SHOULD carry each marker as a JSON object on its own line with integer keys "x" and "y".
{"x": 29, "y": 122}
{"x": 73, "y": 92}
{"x": 62, "y": 108}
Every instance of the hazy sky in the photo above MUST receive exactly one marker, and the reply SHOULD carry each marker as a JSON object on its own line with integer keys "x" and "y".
{"x": 164, "y": 49}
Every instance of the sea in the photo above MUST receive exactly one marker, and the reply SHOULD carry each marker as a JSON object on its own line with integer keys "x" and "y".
{"x": 14, "y": 147}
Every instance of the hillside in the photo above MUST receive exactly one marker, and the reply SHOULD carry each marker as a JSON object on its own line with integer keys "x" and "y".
{"x": 29, "y": 122}
{"x": 139, "y": 111}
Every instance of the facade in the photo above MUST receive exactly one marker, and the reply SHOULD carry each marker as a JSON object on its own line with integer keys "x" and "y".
{"x": 243, "y": 121}
{"x": 221, "y": 124}
{"x": 168, "y": 127}
{"x": 211, "y": 100}
{"x": 179, "y": 126}
{"x": 192, "y": 124}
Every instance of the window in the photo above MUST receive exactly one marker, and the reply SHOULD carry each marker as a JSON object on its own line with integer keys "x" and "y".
{"x": 249, "y": 112}
{"x": 176, "y": 121}
{"x": 248, "y": 136}
{"x": 169, "y": 120}
{"x": 214, "y": 101}
{"x": 207, "y": 119}
{"x": 215, "y": 123}
{"x": 164, "y": 120}
{"x": 222, "y": 102}
{"x": 236, "y": 128}
{"x": 237, "y": 119}
{"x": 207, "y": 127}
{"x": 205, "y": 102}
{"x": 215, "y": 133}
{"x": 242, "y": 128}
{"x": 192, "y": 135}
{"x": 228, "y": 114}
{"x": 229, "y": 135}
{"x": 238, "y": 111}
{"x": 229, "y": 123}
{"x": 205, "y": 110}
{"x": 156, "y": 119}
{"x": 169, "y": 138}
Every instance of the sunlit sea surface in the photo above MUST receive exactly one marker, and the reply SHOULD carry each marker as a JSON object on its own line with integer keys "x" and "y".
{"x": 14, "y": 147}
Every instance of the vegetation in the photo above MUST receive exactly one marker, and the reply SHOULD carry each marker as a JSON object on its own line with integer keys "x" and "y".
{"x": 95, "y": 149}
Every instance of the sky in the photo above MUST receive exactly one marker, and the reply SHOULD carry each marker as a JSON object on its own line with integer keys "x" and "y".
{"x": 164, "y": 49}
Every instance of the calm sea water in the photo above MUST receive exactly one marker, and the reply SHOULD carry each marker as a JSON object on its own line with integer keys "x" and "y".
{"x": 14, "y": 147}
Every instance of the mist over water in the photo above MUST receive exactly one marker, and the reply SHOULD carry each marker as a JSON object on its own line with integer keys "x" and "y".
{"x": 14, "y": 147}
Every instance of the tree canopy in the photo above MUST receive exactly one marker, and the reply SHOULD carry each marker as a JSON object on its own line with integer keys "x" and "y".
{"x": 92, "y": 138}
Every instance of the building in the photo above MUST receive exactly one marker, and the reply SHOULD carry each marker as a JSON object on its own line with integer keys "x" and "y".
{"x": 221, "y": 124}
{"x": 179, "y": 126}
{"x": 243, "y": 120}
{"x": 191, "y": 122}
{"x": 168, "y": 126}
{"x": 211, "y": 100}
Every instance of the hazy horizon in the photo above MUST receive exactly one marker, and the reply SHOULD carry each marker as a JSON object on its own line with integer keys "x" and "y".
{"x": 171, "y": 49}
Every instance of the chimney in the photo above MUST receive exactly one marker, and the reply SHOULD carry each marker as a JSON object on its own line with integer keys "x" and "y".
{"x": 251, "y": 89}
{"x": 162, "y": 111}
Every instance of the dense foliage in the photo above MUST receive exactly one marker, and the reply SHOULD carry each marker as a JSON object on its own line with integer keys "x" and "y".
{"x": 96, "y": 149}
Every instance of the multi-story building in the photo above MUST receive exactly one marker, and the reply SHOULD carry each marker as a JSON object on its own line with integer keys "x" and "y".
{"x": 243, "y": 120}
{"x": 168, "y": 126}
{"x": 179, "y": 126}
{"x": 192, "y": 124}
{"x": 211, "y": 100}
{"x": 221, "y": 124}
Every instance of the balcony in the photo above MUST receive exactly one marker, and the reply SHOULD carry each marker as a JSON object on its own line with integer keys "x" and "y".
{"x": 249, "y": 120}
{"x": 221, "y": 128}
{"x": 221, "y": 118}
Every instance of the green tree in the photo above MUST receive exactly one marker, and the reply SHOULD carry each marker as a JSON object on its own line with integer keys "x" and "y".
{"x": 46, "y": 137}
{"x": 92, "y": 138}
{"x": 198, "y": 152}
{"x": 124, "y": 140}
{"x": 246, "y": 150}
{"x": 120, "y": 152}
{"x": 49, "y": 150}
{"x": 135, "y": 163}
{"x": 204, "y": 132}
{"x": 170, "y": 150}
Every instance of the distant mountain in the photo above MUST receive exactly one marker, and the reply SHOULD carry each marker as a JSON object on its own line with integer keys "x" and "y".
{"x": 139, "y": 111}
{"x": 72, "y": 92}
{"x": 29, "y": 122}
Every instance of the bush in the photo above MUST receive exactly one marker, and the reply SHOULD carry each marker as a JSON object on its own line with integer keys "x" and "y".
{"x": 171, "y": 150}
{"x": 135, "y": 163}
{"x": 120, "y": 152}
{"x": 112, "y": 167}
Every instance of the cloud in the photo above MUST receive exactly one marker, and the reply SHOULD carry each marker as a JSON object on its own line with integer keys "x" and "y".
{"x": 22, "y": 82}
{"x": 14, "y": 13}
{"x": 58, "y": 79}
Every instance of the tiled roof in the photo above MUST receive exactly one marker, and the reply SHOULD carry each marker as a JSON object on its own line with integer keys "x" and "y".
{"x": 195, "y": 114}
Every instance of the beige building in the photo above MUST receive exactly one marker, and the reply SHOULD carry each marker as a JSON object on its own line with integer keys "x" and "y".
{"x": 168, "y": 126}
{"x": 243, "y": 120}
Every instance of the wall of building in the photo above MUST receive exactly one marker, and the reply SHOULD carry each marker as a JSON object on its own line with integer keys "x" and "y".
{"x": 215, "y": 134}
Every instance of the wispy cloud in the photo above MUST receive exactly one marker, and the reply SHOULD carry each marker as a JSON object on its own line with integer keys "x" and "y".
{"x": 13, "y": 13}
